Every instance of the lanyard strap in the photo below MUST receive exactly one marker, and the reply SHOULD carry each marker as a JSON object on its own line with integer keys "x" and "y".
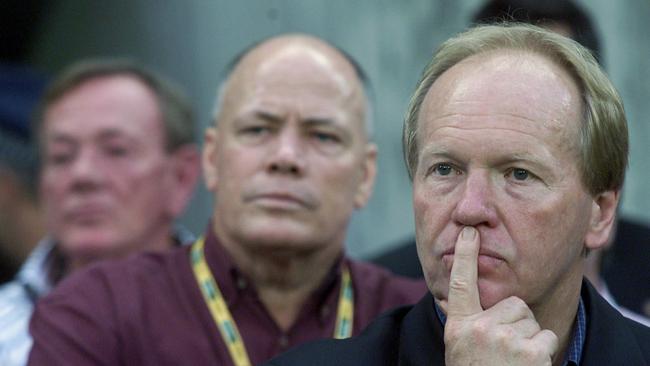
{"x": 225, "y": 322}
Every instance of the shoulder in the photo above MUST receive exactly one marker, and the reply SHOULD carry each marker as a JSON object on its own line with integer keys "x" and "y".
{"x": 377, "y": 345}
{"x": 91, "y": 313}
{"x": 611, "y": 338}
{"x": 642, "y": 334}
{"x": 117, "y": 278}
{"x": 391, "y": 288}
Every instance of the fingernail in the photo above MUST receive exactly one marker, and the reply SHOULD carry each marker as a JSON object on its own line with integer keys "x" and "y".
{"x": 468, "y": 233}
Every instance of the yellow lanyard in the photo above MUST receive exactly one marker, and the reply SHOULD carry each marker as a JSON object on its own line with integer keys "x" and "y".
{"x": 225, "y": 322}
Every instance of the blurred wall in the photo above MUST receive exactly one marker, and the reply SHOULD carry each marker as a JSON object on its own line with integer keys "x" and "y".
{"x": 193, "y": 40}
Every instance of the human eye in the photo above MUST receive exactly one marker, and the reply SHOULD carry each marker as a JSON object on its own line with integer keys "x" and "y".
{"x": 116, "y": 151}
{"x": 58, "y": 158}
{"x": 443, "y": 169}
{"x": 59, "y": 155}
{"x": 254, "y": 130}
{"x": 115, "y": 148}
{"x": 326, "y": 137}
{"x": 519, "y": 174}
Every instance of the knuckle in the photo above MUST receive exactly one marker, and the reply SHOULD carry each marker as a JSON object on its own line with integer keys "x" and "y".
{"x": 482, "y": 327}
{"x": 516, "y": 303}
{"x": 534, "y": 354}
{"x": 518, "y": 306}
{"x": 458, "y": 284}
{"x": 503, "y": 337}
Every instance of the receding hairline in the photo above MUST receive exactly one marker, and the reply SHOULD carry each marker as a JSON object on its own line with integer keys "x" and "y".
{"x": 299, "y": 42}
{"x": 171, "y": 101}
{"x": 339, "y": 60}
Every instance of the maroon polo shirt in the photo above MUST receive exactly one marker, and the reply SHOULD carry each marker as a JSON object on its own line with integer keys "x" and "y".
{"x": 148, "y": 310}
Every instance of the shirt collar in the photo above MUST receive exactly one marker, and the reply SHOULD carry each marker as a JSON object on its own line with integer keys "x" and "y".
{"x": 574, "y": 352}
{"x": 234, "y": 284}
{"x": 37, "y": 274}
{"x": 34, "y": 273}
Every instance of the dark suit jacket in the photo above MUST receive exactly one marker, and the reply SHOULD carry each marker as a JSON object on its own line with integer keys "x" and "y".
{"x": 625, "y": 268}
{"x": 413, "y": 335}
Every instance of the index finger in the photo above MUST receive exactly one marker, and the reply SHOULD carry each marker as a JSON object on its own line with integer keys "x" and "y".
{"x": 463, "y": 298}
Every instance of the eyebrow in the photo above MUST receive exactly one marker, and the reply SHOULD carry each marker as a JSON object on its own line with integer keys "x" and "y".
{"x": 59, "y": 138}
{"x": 439, "y": 152}
{"x": 311, "y": 121}
{"x": 62, "y": 137}
{"x": 112, "y": 133}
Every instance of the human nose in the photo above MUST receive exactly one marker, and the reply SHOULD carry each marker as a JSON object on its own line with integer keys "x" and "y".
{"x": 476, "y": 205}
{"x": 85, "y": 171}
{"x": 288, "y": 153}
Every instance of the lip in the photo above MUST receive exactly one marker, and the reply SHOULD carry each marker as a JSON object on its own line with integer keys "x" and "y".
{"x": 280, "y": 200}
{"x": 488, "y": 259}
{"x": 86, "y": 212}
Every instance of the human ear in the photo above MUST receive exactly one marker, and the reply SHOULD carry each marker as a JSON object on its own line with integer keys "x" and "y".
{"x": 209, "y": 158}
{"x": 603, "y": 215}
{"x": 364, "y": 191}
{"x": 186, "y": 171}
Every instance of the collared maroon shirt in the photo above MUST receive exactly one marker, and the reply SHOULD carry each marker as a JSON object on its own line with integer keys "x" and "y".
{"x": 148, "y": 310}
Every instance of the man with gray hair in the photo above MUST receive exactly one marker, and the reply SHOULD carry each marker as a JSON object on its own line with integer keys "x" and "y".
{"x": 289, "y": 160}
{"x": 516, "y": 143}
{"x": 118, "y": 164}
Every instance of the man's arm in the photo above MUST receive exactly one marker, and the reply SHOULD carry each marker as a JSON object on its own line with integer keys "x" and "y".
{"x": 75, "y": 324}
{"x": 505, "y": 334}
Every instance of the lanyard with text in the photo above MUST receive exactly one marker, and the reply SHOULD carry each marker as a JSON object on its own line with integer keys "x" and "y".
{"x": 225, "y": 322}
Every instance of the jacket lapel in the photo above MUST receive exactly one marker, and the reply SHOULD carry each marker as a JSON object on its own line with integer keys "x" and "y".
{"x": 421, "y": 336}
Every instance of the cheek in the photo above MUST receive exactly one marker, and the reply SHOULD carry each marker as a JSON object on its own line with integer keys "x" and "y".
{"x": 548, "y": 236}
{"x": 52, "y": 189}
{"x": 432, "y": 211}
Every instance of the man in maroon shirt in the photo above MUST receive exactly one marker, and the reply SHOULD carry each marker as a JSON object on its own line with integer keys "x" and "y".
{"x": 289, "y": 159}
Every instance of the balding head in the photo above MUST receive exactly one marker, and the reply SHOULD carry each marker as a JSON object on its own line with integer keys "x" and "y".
{"x": 289, "y": 158}
{"x": 297, "y": 56}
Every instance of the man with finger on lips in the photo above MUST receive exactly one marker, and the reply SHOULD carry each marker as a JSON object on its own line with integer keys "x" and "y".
{"x": 516, "y": 143}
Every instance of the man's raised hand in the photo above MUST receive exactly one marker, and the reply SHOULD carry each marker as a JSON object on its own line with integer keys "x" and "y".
{"x": 505, "y": 334}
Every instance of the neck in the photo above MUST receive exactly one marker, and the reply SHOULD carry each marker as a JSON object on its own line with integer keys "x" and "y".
{"x": 283, "y": 278}
{"x": 559, "y": 315}
{"x": 592, "y": 268}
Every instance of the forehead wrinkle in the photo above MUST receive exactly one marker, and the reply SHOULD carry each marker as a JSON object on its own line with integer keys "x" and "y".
{"x": 466, "y": 91}
{"x": 459, "y": 109}
{"x": 291, "y": 56}
{"x": 491, "y": 127}
{"x": 443, "y": 147}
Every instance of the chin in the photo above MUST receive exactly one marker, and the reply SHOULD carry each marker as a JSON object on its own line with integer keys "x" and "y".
{"x": 278, "y": 232}
{"x": 89, "y": 242}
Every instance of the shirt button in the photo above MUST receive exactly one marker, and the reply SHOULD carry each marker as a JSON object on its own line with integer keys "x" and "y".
{"x": 284, "y": 341}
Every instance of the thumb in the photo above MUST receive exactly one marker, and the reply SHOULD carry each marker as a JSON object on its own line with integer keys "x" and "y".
{"x": 463, "y": 298}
